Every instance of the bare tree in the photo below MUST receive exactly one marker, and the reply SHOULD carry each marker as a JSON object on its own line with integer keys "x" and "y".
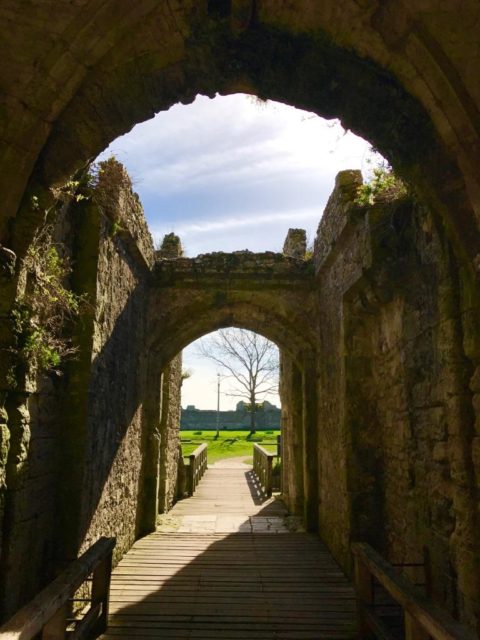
{"x": 249, "y": 360}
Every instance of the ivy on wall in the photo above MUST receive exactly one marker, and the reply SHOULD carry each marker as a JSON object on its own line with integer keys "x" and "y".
{"x": 40, "y": 316}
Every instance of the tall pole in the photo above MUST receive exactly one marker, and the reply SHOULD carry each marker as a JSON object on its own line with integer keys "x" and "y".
{"x": 218, "y": 405}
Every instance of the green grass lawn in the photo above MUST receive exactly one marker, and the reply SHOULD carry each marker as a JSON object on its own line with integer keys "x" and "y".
{"x": 230, "y": 444}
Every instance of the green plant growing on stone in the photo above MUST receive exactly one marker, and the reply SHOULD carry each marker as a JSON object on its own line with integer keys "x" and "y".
{"x": 115, "y": 229}
{"x": 71, "y": 190}
{"x": 384, "y": 184}
{"x": 41, "y": 313}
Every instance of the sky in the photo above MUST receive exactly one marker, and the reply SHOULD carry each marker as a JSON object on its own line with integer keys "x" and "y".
{"x": 234, "y": 173}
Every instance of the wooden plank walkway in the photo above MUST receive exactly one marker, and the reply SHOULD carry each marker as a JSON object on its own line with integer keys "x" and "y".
{"x": 225, "y": 566}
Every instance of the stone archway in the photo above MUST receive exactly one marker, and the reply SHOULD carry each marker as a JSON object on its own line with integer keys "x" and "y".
{"x": 391, "y": 72}
{"x": 403, "y": 76}
{"x": 267, "y": 293}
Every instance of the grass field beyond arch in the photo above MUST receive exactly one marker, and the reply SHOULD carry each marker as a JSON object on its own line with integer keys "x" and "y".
{"x": 229, "y": 444}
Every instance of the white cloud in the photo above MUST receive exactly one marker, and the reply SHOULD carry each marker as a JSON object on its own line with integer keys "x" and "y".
{"x": 241, "y": 232}
{"x": 227, "y": 224}
{"x": 213, "y": 144}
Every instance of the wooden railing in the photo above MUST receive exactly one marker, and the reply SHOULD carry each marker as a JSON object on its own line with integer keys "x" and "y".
{"x": 197, "y": 467}
{"x": 262, "y": 466}
{"x": 422, "y": 619}
{"x": 49, "y": 612}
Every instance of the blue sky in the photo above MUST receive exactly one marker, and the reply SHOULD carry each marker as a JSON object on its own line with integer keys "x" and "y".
{"x": 233, "y": 173}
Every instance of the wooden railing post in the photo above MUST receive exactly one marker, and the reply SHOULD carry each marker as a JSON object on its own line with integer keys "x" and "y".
{"x": 424, "y": 620}
{"x": 101, "y": 591}
{"x": 47, "y": 614}
{"x": 56, "y": 627}
{"x": 191, "y": 474}
{"x": 268, "y": 478}
{"x": 263, "y": 468}
{"x": 364, "y": 592}
{"x": 197, "y": 466}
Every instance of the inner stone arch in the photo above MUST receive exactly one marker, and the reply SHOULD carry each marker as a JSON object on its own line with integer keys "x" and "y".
{"x": 267, "y": 293}
{"x": 192, "y": 323}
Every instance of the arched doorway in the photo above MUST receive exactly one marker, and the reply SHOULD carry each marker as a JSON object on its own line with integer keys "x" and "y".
{"x": 394, "y": 75}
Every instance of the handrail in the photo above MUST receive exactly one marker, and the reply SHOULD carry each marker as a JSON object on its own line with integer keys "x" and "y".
{"x": 262, "y": 466}
{"x": 197, "y": 467}
{"x": 48, "y": 612}
{"x": 423, "y": 618}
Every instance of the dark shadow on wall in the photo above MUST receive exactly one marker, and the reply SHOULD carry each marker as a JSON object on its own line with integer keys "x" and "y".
{"x": 112, "y": 418}
{"x": 29, "y": 525}
{"x": 103, "y": 414}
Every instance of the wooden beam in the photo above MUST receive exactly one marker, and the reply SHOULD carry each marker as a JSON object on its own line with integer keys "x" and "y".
{"x": 364, "y": 591}
{"x": 422, "y": 613}
{"x": 44, "y": 609}
{"x": 55, "y": 629}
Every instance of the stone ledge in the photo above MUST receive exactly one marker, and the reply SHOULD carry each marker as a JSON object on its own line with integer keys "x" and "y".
{"x": 336, "y": 217}
{"x": 243, "y": 266}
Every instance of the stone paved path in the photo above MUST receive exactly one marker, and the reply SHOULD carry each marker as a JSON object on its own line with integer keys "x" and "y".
{"x": 225, "y": 565}
{"x": 228, "y": 499}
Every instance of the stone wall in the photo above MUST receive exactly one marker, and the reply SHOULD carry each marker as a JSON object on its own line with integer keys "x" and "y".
{"x": 28, "y": 548}
{"x": 78, "y": 443}
{"x": 115, "y": 383}
{"x": 170, "y": 447}
{"x": 171, "y": 481}
{"x": 292, "y": 453}
{"x": 396, "y": 412}
{"x": 295, "y": 244}
{"x": 265, "y": 292}
{"x": 379, "y": 383}
{"x": 405, "y": 76}
{"x": 266, "y": 418}
{"x": 28, "y": 535}
{"x": 119, "y": 383}
{"x": 339, "y": 266}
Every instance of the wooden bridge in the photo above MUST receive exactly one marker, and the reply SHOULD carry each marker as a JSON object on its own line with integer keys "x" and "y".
{"x": 225, "y": 564}
{"x": 229, "y": 563}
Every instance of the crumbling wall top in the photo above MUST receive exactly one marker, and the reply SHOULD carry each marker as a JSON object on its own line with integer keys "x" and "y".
{"x": 171, "y": 247}
{"x": 295, "y": 243}
{"x": 242, "y": 265}
{"x": 336, "y": 215}
{"x": 114, "y": 193}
